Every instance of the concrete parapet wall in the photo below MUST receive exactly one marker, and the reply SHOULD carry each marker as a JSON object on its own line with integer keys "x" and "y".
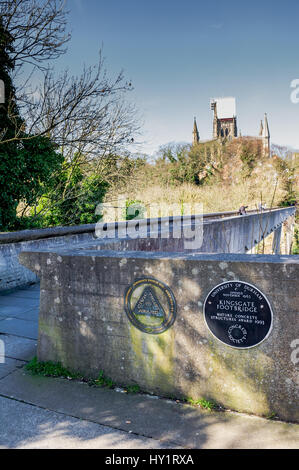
{"x": 218, "y": 233}
{"x": 13, "y": 274}
{"x": 83, "y": 324}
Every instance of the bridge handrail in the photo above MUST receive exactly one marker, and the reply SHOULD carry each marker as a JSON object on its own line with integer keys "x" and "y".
{"x": 36, "y": 234}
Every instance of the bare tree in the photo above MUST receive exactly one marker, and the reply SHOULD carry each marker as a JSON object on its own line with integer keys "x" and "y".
{"x": 281, "y": 151}
{"x": 86, "y": 113}
{"x": 39, "y": 29}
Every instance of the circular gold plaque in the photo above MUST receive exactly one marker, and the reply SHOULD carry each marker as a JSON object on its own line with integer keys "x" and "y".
{"x": 150, "y": 305}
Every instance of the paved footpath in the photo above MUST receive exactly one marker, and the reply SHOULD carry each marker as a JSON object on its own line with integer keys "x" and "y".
{"x": 39, "y": 412}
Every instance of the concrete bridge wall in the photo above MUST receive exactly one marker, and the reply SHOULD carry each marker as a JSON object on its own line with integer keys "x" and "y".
{"x": 83, "y": 324}
{"x": 238, "y": 234}
{"x": 220, "y": 233}
{"x": 13, "y": 274}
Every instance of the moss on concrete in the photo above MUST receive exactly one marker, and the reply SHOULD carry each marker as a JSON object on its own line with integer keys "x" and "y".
{"x": 53, "y": 334}
{"x": 239, "y": 379}
{"x": 153, "y": 357}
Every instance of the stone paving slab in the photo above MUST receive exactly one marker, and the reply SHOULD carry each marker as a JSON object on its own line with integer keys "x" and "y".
{"x": 17, "y": 347}
{"x": 30, "y": 293}
{"x": 19, "y": 327}
{"x": 31, "y": 315}
{"x": 9, "y": 366}
{"x": 11, "y": 305}
{"x": 43, "y": 429}
{"x": 160, "y": 419}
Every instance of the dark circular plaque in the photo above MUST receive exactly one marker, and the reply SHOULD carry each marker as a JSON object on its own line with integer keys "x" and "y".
{"x": 150, "y": 305}
{"x": 238, "y": 314}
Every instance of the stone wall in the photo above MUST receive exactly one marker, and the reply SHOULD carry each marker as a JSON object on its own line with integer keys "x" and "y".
{"x": 83, "y": 324}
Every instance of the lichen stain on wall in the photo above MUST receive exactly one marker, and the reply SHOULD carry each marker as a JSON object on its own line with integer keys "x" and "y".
{"x": 153, "y": 356}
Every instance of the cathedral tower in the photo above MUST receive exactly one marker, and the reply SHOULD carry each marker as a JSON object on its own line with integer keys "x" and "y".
{"x": 195, "y": 133}
{"x": 225, "y": 120}
{"x": 266, "y": 137}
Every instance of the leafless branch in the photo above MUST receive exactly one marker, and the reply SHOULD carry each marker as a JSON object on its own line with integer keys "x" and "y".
{"x": 38, "y": 27}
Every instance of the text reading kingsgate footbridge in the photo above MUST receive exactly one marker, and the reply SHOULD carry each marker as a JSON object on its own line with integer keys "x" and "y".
{"x": 238, "y": 314}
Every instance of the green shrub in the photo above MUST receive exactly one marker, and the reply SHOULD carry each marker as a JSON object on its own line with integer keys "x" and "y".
{"x": 134, "y": 210}
{"x": 72, "y": 199}
{"x": 49, "y": 369}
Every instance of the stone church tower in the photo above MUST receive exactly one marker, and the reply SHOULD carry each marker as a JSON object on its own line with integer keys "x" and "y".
{"x": 225, "y": 120}
{"x": 266, "y": 137}
{"x": 225, "y": 124}
{"x": 195, "y": 133}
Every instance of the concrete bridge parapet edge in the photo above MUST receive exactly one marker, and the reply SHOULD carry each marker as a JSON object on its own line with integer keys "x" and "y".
{"x": 221, "y": 232}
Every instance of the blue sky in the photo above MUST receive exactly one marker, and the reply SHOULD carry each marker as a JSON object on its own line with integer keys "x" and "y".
{"x": 179, "y": 54}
